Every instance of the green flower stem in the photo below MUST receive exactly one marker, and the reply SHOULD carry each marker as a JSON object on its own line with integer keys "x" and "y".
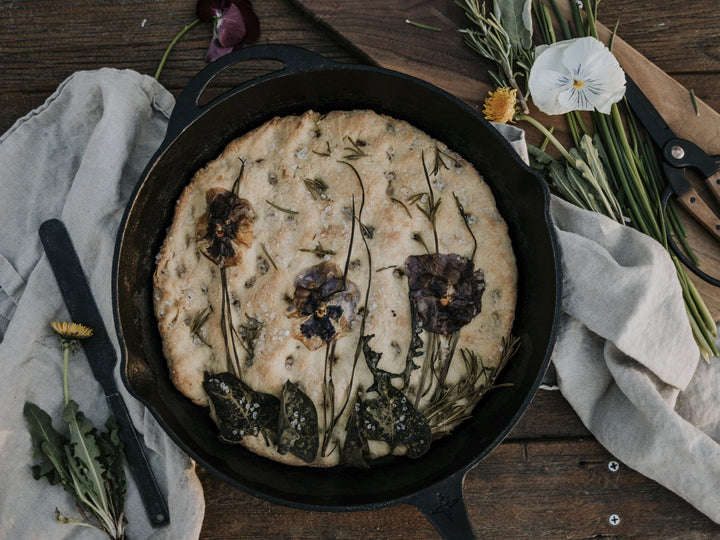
{"x": 678, "y": 229}
{"x": 550, "y": 27}
{"x": 699, "y": 337}
{"x": 66, "y": 356}
{"x": 563, "y": 23}
{"x": 578, "y": 19}
{"x": 707, "y": 319}
{"x": 172, "y": 44}
{"x": 545, "y": 142}
{"x": 549, "y": 135}
{"x": 700, "y": 319}
{"x": 635, "y": 175}
{"x": 639, "y": 222}
{"x": 591, "y": 10}
{"x": 544, "y": 23}
{"x": 574, "y": 133}
{"x": 579, "y": 120}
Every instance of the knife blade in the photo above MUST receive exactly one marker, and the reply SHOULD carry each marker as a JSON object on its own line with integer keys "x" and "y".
{"x": 101, "y": 355}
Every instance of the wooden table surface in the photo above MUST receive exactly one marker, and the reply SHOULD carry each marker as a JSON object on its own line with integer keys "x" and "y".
{"x": 550, "y": 478}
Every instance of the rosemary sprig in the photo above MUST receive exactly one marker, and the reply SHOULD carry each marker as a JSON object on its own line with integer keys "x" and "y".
{"x": 465, "y": 219}
{"x": 248, "y": 334}
{"x": 318, "y": 251}
{"x": 450, "y": 405}
{"x": 449, "y": 156}
{"x": 422, "y": 26}
{"x": 439, "y": 162}
{"x": 398, "y": 201}
{"x": 286, "y": 210}
{"x": 491, "y": 40}
{"x": 432, "y": 352}
{"x": 236, "y": 184}
{"x": 269, "y": 258}
{"x": 354, "y": 150}
{"x": 417, "y": 237}
{"x": 358, "y": 348}
{"x": 316, "y": 187}
{"x": 326, "y": 153}
{"x": 693, "y": 98}
{"x": 227, "y": 328}
{"x": 362, "y": 189}
{"x": 426, "y": 203}
{"x": 328, "y": 397}
{"x": 198, "y": 322}
{"x": 350, "y": 244}
{"x": 446, "y": 361}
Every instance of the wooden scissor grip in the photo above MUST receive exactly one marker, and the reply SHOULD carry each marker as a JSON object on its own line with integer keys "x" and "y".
{"x": 714, "y": 185}
{"x": 692, "y": 202}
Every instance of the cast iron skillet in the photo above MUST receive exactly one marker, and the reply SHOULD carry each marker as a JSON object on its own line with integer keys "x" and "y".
{"x": 196, "y": 135}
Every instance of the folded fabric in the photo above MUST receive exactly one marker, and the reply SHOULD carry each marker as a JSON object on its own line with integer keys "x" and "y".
{"x": 625, "y": 358}
{"x": 77, "y": 158}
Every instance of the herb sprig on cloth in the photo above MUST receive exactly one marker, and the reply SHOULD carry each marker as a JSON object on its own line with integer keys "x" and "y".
{"x": 88, "y": 464}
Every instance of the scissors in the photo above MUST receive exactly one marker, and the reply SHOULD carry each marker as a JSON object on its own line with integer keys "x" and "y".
{"x": 678, "y": 155}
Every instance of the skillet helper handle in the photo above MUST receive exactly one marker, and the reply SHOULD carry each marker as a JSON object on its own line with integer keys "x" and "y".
{"x": 443, "y": 505}
{"x": 187, "y": 108}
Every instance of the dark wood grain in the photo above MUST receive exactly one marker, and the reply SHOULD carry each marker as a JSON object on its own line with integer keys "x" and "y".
{"x": 550, "y": 479}
{"x": 524, "y": 489}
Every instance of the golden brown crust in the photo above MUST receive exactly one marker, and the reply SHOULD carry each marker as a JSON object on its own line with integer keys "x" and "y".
{"x": 298, "y": 174}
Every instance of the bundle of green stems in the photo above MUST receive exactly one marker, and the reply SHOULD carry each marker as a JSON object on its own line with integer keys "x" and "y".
{"x": 632, "y": 164}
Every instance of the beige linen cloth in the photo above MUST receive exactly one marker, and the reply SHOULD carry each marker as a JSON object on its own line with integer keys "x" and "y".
{"x": 625, "y": 358}
{"x": 77, "y": 158}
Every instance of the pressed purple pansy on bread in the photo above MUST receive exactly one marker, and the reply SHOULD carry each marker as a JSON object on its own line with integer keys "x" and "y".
{"x": 336, "y": 287}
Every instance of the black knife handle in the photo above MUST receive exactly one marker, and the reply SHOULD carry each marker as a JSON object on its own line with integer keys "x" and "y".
{"x": 147, "y": 485}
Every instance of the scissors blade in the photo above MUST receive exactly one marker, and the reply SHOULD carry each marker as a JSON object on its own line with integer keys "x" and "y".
{"x": 647, "y": 113}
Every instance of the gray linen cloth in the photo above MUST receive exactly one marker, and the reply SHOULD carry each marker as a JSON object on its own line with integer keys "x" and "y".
{"x": 77, "y": 158}
{"x": 625, "y": 358}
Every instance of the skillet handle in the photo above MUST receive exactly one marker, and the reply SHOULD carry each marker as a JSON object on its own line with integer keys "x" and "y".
{"x": 187, "y": 109}
{"x": 444, "y": 506}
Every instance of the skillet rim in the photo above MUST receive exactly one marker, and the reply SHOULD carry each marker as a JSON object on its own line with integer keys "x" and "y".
{"x": 179, "y": 125}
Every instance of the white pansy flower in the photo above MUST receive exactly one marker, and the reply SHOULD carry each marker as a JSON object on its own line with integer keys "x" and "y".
{"x": 576, "y": 75}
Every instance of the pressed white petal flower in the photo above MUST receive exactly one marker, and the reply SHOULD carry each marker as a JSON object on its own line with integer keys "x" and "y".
{"x": 576, "y": 74}
{"x": 546, "y": 92}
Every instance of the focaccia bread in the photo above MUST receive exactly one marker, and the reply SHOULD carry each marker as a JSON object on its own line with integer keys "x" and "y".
{"x": 319, "y": 272}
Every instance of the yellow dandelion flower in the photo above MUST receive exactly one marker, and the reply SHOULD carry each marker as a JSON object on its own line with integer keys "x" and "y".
{"x": 500, "y": 106}
{"x": 71, "y": 330}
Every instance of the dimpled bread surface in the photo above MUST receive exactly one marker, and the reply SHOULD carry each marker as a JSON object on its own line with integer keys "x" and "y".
{"x": 276, "y": 159}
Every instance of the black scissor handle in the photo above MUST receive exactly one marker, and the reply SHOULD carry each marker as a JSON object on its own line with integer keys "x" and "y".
{"x": 678, "y": 252}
